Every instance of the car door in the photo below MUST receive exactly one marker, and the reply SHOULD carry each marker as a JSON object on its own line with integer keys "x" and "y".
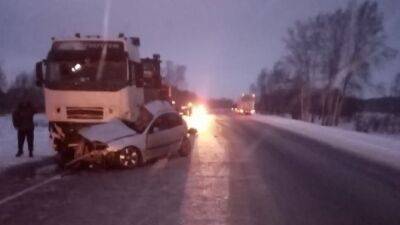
{"x": 158, "y": 138}
{"x": 177, "y": 130}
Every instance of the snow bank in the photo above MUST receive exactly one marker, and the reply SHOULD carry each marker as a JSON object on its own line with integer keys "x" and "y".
{"x": 373, "y": 147}
{"x": 8, "y": 142}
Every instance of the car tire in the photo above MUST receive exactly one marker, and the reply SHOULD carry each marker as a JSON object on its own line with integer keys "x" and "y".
{"x": 185, "y": 148}
{"x": 129, "y": 158}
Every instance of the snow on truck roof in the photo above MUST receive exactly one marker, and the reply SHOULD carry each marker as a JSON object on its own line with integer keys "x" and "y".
{"x": 128, "y": 44}
{"x": 89, "y": 44}
{"x": 125, "y": 41}
{"x": 159, "y": 107}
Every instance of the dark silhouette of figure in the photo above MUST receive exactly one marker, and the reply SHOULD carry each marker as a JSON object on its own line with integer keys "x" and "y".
{"x": 23, "y": 121}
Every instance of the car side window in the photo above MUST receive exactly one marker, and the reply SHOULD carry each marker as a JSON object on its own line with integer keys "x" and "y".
{"x": 166, "y": 121}
{"x": 174, "y": 120}
{"x": 161, "y": 123}
{"x": 142, "y": 121}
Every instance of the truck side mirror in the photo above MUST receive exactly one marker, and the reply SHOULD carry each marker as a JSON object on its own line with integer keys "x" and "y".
{"x": 39, "y": 73}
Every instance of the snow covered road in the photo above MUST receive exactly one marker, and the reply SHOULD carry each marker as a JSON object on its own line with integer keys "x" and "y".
{"x": 377, "y": 148}
{"x": 241, "y": 172}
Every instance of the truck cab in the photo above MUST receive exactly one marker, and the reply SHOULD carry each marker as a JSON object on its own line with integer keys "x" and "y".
{"x": 91, "y": 80}
{"x": 246, "y": 104}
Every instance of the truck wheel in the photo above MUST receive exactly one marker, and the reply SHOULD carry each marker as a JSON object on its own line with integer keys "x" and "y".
{"x": 185, "y": 148}
{"x": 129, "y": 158}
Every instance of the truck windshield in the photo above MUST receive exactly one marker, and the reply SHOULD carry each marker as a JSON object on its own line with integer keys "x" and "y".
{"x": 87, "y": 65}
{"x": 86, "y": 74}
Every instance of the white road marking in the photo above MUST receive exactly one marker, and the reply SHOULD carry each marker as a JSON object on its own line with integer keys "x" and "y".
{"x": 157, "y": 166}
{"x": 29, "y": 189}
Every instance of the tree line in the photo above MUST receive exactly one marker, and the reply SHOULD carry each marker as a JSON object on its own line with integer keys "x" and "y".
{"x": 23, "y": 88}
{"x": 174, "y": 76}
{"x": 328, "y": 63}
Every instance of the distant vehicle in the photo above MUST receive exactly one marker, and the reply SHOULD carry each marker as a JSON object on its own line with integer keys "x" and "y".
{"x": 186, "y": 110}
{"x": 245, "y": 104}
{"x": 91, "y": 80}
{"x": 158, "y": 131}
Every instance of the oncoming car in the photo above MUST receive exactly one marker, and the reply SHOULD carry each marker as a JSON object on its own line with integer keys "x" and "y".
{"x": 158, "y": 131}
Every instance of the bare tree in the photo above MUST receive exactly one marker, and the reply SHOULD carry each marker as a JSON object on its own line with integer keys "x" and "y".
{"x": 175, "y": 75}
{"x": 23, "y": 81}
{"x": 365, "y": 47}
{"x": 334, "y": 28}
{"x": 253, "y": 88}
{"x": 262, "y": 82}
{"x": 23, "y": 88}
{"x": 305, "y": 45}
{"x": 3, "y": 80}
{"x": 395, "y": 88}
{"x": 334, "y": 52}
{"x": 259, "y": 88}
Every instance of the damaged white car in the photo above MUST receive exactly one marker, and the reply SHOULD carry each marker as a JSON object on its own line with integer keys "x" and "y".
{"x": 158, "y": 131}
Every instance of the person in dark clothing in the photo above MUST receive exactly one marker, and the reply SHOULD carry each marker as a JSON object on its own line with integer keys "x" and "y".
{"x": 23, "y": 121}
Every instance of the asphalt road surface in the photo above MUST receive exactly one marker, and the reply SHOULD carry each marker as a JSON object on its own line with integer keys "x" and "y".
{"x": 240, "y": 172}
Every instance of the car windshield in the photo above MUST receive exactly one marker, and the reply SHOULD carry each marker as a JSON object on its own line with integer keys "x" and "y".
{"x": 142, "y": 122}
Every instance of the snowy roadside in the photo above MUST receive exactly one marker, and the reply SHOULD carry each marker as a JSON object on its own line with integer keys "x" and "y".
{"x": 8, "y": 142}
{"x": 378, "y": 148}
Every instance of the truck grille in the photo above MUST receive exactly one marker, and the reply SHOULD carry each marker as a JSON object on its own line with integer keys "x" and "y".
{"x": 85, "y": 113}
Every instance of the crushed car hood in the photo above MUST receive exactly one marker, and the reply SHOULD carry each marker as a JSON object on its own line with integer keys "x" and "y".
{"x": 107, "y": 132}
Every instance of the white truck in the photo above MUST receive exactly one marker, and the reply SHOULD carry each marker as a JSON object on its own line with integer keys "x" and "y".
{"x": 91, "y": 80}
{"x": 246, "y": 104}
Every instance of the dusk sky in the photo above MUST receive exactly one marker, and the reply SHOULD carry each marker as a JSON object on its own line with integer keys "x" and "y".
{"x": 223, "y": 43}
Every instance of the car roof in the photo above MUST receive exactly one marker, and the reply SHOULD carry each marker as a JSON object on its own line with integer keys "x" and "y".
{"x": 159, "y": 107}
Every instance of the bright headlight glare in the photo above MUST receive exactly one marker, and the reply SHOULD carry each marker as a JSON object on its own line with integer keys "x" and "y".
{"x": 76, "y": 68}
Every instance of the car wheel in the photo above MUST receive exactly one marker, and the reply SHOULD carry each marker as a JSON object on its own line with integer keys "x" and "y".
{"x": 185, "y": 148}
{"x": 129, "y": 158}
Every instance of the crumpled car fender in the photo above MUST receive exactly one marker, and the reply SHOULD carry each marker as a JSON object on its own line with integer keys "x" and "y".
{"x": 137, "y": 141}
